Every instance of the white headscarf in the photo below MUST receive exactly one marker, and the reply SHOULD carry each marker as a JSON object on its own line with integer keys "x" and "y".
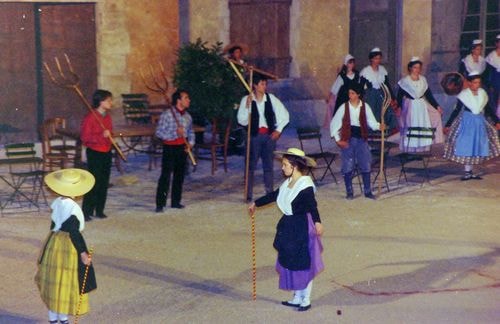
{"x": 62, "y": 209}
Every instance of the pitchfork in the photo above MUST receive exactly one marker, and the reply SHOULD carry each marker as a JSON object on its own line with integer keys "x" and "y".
{"x": 161, "y": 86}
{"x": 72, "y": 81}
{"x": 385, "y": 105}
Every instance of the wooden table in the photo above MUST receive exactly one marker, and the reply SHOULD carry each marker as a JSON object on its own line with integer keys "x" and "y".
{"x": 122, "y": 132}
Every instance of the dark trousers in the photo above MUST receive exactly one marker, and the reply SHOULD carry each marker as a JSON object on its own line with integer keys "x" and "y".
{"x": 99, "y": 164}
{"x": 261, "y": 146}
{"x": 173, "y": 161}
{"x": 358, "y": 153}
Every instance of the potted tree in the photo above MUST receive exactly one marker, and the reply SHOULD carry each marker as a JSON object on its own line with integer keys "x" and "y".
{"x": 213, "y": 87}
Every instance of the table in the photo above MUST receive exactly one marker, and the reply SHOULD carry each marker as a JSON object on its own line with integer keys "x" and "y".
{"x": 122, "y": 132}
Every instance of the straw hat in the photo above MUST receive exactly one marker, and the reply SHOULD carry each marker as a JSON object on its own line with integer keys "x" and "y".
{"x": 296, "y": 152}
{"x": 230, "y": 46}
{"x": 70, "y": 182}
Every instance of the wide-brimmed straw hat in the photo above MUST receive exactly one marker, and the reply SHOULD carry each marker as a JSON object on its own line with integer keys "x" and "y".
{"x": 230, "y": 46}
{"x": 70, "y": 182}
{"x": 296, "y": 152}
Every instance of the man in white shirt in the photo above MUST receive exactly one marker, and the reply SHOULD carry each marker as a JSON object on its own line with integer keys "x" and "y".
{"x": 268, "y": 118}
{"x": 349, "y": 128}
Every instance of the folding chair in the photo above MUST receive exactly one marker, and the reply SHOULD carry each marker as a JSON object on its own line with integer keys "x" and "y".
{"x": 416, "y": 134}
{"x": 136, "y": 108}
{"x": 25, "y": 172}
{"x": 324, "y": 159}
{"x": 155, "y": 150}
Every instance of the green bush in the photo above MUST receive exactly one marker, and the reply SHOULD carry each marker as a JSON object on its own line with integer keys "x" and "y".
{"x": 212, "y": 85}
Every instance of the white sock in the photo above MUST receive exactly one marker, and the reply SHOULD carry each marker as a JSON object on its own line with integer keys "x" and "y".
{"x": 297, "y": 297}
{"x": 306, "y": 294}
{"x": 468, "y": 168}
{"x": 52, "y": 316}
{"x": 63, "y": 317}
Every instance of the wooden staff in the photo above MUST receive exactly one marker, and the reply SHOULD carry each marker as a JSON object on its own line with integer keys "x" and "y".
{"x": 73, "y": 83}
{"x": 249, "y": 89}
{"x": 385, "y": 105}
{"x": 83, "y": 287}
{"x": 248, "y": 67}
{"x": 163, "y": 89}
{"x": 254, "y": 259}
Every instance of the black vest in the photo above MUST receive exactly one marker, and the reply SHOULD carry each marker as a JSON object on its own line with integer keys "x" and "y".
{"x": 268, "y": 114}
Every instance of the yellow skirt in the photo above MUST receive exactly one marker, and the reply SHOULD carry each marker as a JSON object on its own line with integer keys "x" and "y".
{"x": 57, "y": 276}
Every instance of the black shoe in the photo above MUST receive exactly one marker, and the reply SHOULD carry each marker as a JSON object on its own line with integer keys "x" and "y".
{"x": 349, "y": 196}
{"x": 159, "y": 210}
{"x": 285, "y": 303}
{"x": 467, "y": 176}
{"x": 370, "y": 196}
{"x": 178, "y": 206}
{"x": 476, "y": 177}
{"x": 87, "y": 218}
{"x": 304, "y": 308}
{"x": 102, "y": 216}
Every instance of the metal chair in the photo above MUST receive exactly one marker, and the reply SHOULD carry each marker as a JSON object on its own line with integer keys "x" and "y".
{"x": 324, "y": 159}
{"x": 136, "y": 108}
{"x": 416, "y": 134}
{"x": 374, "y": 141}
{"x": 26, "y": 175}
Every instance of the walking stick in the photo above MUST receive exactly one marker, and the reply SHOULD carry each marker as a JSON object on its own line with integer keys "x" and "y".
{"x": 163, "y": 89}
{"x": 249, "y": 89}
{"x": 385, "y": 105}
{"x": 254, "y": 259}
{"x": 83, "y": 287}
{"x": 73, "y": 83}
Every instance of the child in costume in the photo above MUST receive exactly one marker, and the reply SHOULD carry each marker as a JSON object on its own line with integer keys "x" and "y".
{"x": 297, "y": 234}
{"x": 471, "y": 139}
{"x": 64, "y": 257}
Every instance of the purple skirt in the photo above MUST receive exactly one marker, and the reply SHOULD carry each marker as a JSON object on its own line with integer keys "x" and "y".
{"x": 297, "y": 280}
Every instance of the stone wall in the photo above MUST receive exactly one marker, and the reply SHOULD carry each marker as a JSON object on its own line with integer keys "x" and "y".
{"x": 131, "y": 35}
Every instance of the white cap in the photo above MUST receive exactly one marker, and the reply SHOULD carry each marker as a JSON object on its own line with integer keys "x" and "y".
{"x": 375, "y": 49}
{"x": 498, "y": 37}
{"x": 415, "y": 59}
{"x": 347, "y": 58}
{"x": 477, "y": 42}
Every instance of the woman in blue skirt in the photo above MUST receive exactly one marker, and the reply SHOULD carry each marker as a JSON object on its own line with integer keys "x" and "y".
{"x": 471, "y": 138}
{"x": 297, "y": 233}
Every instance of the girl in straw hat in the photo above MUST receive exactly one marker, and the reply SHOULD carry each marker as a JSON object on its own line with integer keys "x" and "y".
{"x": 297, "y": 236}
{"x": 64, "y": 257}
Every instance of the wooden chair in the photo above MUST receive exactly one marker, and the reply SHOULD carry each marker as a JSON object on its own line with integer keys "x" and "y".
{"x": 155, "y": 150}
{"x": 26, "y": 175}
{"x": 54, "y": 144}
{"x": 324, "y": 159}
{"x": 217, "y": 145}
{"x": 416, "y": 133}
{"x": 50, "y": 158}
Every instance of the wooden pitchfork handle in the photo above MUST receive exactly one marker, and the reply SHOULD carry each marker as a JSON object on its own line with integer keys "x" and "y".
{"x": 188, "y": 146}
{"x": 248, "y": 67}
{"x": 385, "y": 105}
{"x": 249, "y": 89}
{"x": 75, "y": 87}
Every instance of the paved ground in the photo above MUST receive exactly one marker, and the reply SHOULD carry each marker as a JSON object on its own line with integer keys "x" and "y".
{"x": 419, "y": 254}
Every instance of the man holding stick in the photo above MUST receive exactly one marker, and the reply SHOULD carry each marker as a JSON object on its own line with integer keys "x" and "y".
{"x": 174, "y": 126}
{"x": 268, "y": 118}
